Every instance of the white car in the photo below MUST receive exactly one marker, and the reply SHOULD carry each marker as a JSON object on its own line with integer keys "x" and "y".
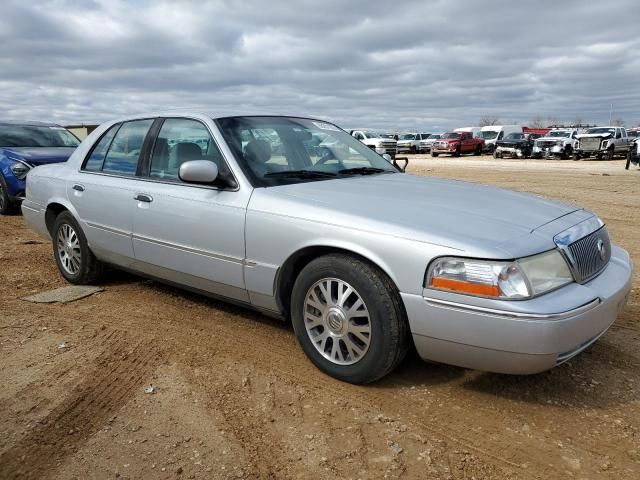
{"x": 374, "y": 141}
{"x": 410, "y": 142}
{"x": 427, "y": 143}
{"x": 559, "y": 142}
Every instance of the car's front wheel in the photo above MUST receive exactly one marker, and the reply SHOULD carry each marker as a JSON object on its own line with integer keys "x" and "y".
{"x": 6, "y": 205}
{"x": 348, "y": 318}
{"x": 76, "y": 262}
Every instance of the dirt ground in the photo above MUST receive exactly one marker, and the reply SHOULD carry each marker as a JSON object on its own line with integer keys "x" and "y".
{"x": 236, "y": 398}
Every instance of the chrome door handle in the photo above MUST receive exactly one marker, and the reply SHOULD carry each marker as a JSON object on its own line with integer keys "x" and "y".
{"x": 143, "y": 197}
{"x": 78, "y": 187}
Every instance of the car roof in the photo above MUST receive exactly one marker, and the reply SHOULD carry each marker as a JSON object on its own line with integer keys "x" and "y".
{"x": 28, "y": 123}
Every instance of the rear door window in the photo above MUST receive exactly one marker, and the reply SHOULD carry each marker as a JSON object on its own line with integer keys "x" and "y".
{"x": 96, "y": 158}
{"x": 126, "y": 147}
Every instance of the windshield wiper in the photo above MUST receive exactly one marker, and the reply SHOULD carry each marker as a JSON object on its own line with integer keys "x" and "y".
{"x": 300, "y": 174}
{"x": 363, "y": 170}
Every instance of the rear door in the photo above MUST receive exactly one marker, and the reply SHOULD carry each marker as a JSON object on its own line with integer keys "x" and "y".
{"x": 185, "y": 233}
{"x": 102, "y": 191}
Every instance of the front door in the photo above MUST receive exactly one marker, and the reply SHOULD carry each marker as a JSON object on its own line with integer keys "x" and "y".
{"x": 189, "y": 234}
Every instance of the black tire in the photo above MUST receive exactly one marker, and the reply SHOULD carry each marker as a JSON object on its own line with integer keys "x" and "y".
{"x": 478, "y": 151}
{"x": 576, "y": 156}
{"x": 7, "y": 207}
{"x": 457, "y": 152}
{"x": 90, "y": 269}
{"x": 496, "y": 154}
{"x": 626, "y": 167}
{"x": 389, "y": 337}
{"x": 433, "y": 154}
{"x": 414, "y": 150}
{"x": 610, "y": 153}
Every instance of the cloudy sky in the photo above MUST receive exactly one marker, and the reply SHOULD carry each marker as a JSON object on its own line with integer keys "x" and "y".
{"x": 388, "y": 65}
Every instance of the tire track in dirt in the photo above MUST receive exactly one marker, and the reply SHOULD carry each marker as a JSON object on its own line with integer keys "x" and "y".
{"x": 122, "y": 367}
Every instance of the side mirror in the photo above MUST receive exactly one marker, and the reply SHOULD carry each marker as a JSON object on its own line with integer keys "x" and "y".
{"x": 198, "y": 171}
{"x": 387, "y": 157}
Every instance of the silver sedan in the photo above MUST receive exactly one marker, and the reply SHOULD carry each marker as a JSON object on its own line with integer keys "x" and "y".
{"x": 297, "y": 219}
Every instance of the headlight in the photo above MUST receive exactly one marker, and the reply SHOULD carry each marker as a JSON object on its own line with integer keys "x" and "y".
{"x": 605, "y": 143}
{"x": 559, "y": 143}
{"x": 20, "y": 170}
{"x": 524, "y": 278}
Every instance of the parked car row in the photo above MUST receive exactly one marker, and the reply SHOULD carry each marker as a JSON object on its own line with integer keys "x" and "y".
{"x": 512, "y": 141}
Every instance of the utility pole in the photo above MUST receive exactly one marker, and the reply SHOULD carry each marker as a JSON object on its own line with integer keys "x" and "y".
{"x": 610, "y": 113}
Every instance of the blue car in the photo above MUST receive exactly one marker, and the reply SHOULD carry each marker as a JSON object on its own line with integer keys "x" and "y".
{"x": 24, "y": 145}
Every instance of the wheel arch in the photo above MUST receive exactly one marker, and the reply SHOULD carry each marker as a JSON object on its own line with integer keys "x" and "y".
{"x": 293, "y": 265}
{"x": 54, "y": 208}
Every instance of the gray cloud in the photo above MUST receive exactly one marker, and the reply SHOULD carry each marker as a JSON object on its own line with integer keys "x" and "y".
{"x": 419, "y": 65}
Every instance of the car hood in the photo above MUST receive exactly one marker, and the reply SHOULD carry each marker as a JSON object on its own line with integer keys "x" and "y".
{"x": 551, "y": 139}
{"x": 595, "y": 135}
{"x": 465, "y": 216}
{"x": 39, "y": 155}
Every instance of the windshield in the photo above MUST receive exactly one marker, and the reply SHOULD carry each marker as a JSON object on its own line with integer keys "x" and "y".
{"x": 489, "y": 134}
{"x": 515, "y": 136}
{"x": 451, "y": 135}
{"x": 435, "y": 136}
{"x": 282, "y": 150}
{"x": 559, "y": 133}
{"x": 602, "y": 130}
{"x": 36, "y": 136}
{"x": 408, "y": 136}
{"x": 371, "y": 134}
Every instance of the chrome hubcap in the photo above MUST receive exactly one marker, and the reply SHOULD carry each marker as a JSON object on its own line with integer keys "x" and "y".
{"x": 1, "y": 196}
{"x": 68, "y": 245}
{"x": 337, "y": 321}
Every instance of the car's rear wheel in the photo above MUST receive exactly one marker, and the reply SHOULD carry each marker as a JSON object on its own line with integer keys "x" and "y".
{"x": 434, "y": 154}
{"x": 76, "y": 262}
{"x": 6, "y": 205}
{"x": 349, "y": 319}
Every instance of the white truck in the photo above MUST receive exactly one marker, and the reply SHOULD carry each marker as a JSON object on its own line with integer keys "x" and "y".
{"x": 602, "y": 142}
{"x": 492, "y": 133}
{"x": 426, "y": 144}
{"x": 374, "y": 141}
{"x": 410, "y": 142}
{"x": 559, "y": 143}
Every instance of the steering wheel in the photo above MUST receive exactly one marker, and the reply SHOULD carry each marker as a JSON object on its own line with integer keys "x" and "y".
{"x": 328, "y": 155}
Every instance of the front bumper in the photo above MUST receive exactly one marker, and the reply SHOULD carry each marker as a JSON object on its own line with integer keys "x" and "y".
{"x": 532, "y": 336}
{"x": 510, "y": 151}
{"x": 554, "y": 151}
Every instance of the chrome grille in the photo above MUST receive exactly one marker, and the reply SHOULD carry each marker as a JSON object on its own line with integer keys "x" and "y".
{"x": 590, "y": 143}
{"x": 590, "y": 254}
{"x": 546, "y": 144}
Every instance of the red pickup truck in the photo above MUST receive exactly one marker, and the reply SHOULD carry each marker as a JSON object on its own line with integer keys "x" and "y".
{"x": 457, "y": 143}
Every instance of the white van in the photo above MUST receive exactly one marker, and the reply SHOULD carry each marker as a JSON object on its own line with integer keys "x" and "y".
{"x": 493, "y": 133}
{"x": 475, "y": 131}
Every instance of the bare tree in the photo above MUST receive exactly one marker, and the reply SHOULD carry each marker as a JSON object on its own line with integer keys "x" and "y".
{"x": 488, "y": 120}
{"x": 537, "y": 122}
{"x": 618, "y": 122}
{"x": 578, "y": 120}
